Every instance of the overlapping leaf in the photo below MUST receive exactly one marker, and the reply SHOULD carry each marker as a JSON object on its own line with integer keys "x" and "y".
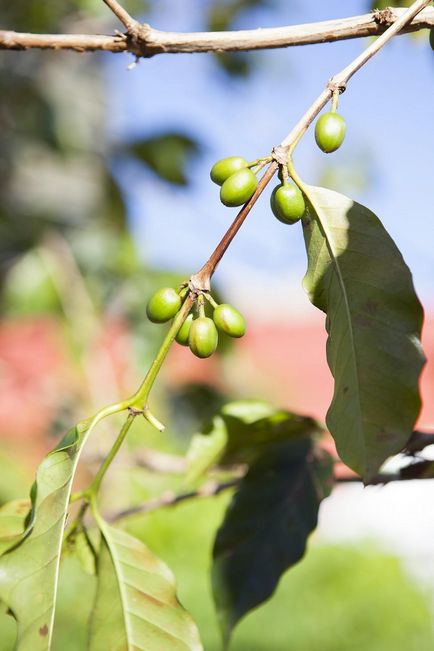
{"x": 266, "y": 527}
{"x": 136, "y": 605}
{"x": 29, "y": 570}
{"x": 358, "y": 277}
{"x": 13, "y": 516}
{"x": 241, "y": 431}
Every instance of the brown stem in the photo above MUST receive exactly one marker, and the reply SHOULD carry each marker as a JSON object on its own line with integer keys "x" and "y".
{"x": 420, "y": 470}
{"x": 339, "y": 81}
{"x": 121, "y": 13}
{"x": 201, "y": 280}
{"x": 149, "y": 42}
{"x": 170, "y": 498}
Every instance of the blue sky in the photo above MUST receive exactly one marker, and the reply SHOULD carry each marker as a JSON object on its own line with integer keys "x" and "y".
{"x": 388, "y": 108}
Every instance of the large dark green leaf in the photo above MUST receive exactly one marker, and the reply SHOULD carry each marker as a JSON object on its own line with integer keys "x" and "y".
{"x": 136, "y": 605}
{"x": 241, "y": 431}
{"x": 29, "y": 571}
{"x": 266, "y": 526}
{"x": 167, "y": 155}
{"x": 358, "y": 277}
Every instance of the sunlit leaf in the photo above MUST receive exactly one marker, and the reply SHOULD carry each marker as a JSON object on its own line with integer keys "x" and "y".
{"x": 136, "y": 605}
{"x": 357, "y": 276}
{"x": 241, "y": 431}
{"x": 266, "y": 527}
{"x": 29, "y": 571}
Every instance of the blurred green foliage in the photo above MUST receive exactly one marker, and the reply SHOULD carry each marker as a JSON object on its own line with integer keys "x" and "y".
{"x": 338, "y": 599}
{"x": 383, "y": 4}
{"x": 222, "y": 16}
{"x": 167, "y": 155}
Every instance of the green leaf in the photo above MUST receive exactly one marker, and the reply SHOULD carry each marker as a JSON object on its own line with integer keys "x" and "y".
{"x": 357, "y": 276}
{"x": 12, "y": 523}
{"x": 266, "y": 526}
{"x": 78, "y": 542}
{"x": 167, "y": 155}
{"x": 135, "y": 604}
{"x": 206, "y": 450}
{"x": 29, "y": 571}
{"x": 241, "y": 431}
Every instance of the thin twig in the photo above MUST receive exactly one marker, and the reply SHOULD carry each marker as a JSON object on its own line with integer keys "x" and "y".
{"x": 170, "y": 498}
{"x": 148, "y": 41}
{"x": 201, "y": 280}
{"x": 151, "y": 460}
{"x": 420, "y": 470}
{"x": 123, "y": 15}
{"x": 418, "y": 442}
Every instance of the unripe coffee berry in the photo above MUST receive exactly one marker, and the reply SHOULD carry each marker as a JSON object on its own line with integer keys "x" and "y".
{"x": 330, "y": 132}
{"x": 287, "y": 203}
{"x": 203, "y": 337}
{"x": 163, "y": 305}
{"x": 238, "y": 188}
{"x": 184, "y": 331}
{"x": 229, "y": 320}
{"x": 225, "y": 167}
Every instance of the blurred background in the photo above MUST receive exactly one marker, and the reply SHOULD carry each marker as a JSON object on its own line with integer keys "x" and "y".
{"x": 105, "y": 196}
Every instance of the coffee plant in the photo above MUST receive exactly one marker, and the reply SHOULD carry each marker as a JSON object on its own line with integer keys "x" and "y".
{"x": 271, "y": 459}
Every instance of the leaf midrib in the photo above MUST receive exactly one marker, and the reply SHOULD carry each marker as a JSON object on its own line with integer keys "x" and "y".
{"x": 329, "y": 243}
{"x": 122, "y": 590}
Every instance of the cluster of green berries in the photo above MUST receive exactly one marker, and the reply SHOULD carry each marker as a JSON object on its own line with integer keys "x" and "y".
{"x": 198, "y": 331}
{"x": 238, "y": 182}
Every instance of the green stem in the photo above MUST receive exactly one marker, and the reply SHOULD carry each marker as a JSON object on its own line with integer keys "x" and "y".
{"x": 210, "y": 299}
{"x": 96, "y": 483}
{"x": 201, "y": 306}
{"x": 335, "y": 101}
{"x": 260, "y": 161}
{"x": 295, "y": 177}
{"x": 295, "y": 142}
{"x": 77, "y": 521}
{"x": 139, "y": 399}
{"x": 285, "y": 175}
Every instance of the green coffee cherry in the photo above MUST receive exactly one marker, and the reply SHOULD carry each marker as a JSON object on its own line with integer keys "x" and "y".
{"x": 287, "y": 203}
{"x": 330, "y": 132}
{"x": 203, "y": 337}
{"x": 238, "y": 188}
{"x": 163, "y": 305}
{"x": 229, "y": 320}
{"x": 184, "y": 331}
{"x": 225, "y": 167}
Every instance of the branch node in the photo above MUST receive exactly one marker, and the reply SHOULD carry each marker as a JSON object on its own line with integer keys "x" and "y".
{"x": 280, "y": 154}
{"x": 138, "y": 38}
{"x": 134, "y": 411}
{"x": 336, "y": 86}
{"x": 199, "y": 283}
{"x": 384, "y": 16}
